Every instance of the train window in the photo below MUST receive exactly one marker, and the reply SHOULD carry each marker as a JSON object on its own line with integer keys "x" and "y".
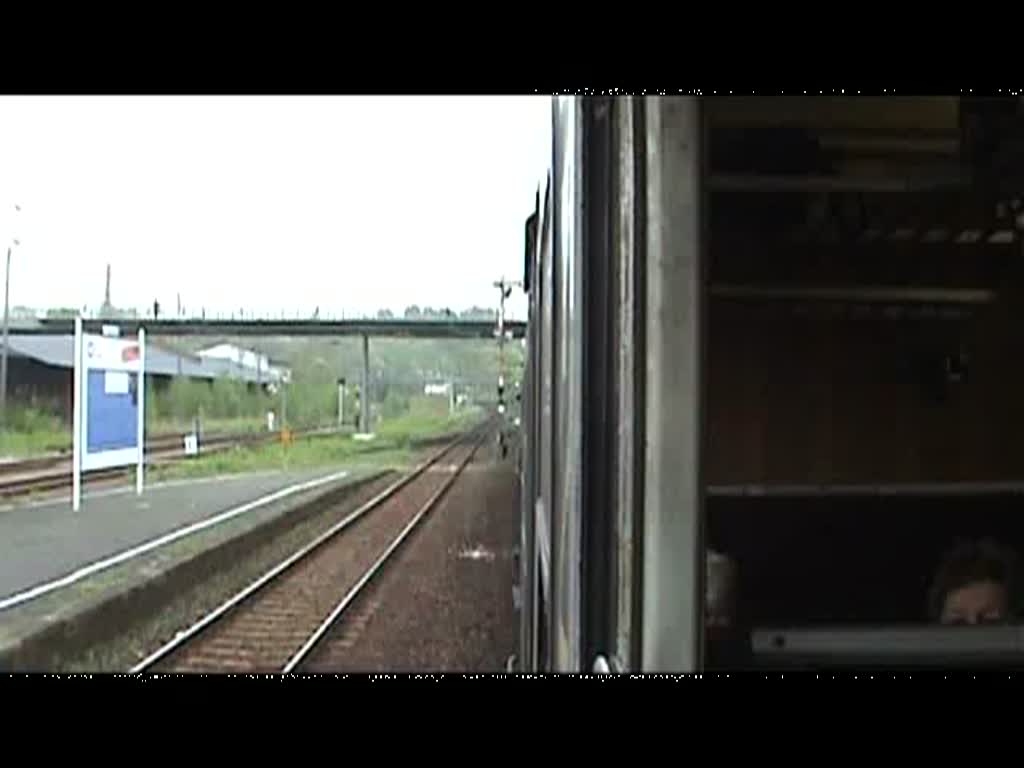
{"x": 863, "y": 312}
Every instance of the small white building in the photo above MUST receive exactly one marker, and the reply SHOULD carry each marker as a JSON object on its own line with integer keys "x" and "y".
{"x": 437, "y": 388}
{"x": 248, "y": 360}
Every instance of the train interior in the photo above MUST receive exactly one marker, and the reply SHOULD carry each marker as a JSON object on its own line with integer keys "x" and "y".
{"x": 864, "y": 347}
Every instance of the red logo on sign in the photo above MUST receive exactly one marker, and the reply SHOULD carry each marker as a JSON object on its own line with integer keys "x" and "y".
{"x": 129, "y": 354}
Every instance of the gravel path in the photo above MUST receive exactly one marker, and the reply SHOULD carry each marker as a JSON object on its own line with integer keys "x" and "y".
{"x": 445, "y": 602}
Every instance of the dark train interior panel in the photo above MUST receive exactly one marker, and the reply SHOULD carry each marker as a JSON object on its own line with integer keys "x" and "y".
{"x": 865, "y": 346}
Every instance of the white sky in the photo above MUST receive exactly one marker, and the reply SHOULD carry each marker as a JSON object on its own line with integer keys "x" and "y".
{"x": 351, "y": 204}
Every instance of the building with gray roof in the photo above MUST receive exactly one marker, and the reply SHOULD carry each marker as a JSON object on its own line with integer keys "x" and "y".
{"x": 41, "y": 369}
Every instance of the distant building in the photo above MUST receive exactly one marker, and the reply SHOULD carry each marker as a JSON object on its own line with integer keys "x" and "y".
{"x": 247, "y": 360}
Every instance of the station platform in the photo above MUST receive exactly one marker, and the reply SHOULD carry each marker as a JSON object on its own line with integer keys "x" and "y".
{"x": 46, "y": 547}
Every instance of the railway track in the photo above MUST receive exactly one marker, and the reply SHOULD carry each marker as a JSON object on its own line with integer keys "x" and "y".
{"x": 274, "y": 624}
{"x": 54, "y": 473}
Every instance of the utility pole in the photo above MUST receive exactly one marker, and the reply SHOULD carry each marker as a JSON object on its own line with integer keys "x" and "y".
{"x": 3, "y": 359}
{"x": 107, "y": 310}
{"x": 7, "y": 319}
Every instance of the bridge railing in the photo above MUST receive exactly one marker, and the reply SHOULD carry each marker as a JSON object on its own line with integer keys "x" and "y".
{"x": 454, "y": 328}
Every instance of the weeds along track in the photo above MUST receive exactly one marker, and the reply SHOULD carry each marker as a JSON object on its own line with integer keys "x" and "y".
{"x": 54, "y": 473}
{"x": 274, "y": 623}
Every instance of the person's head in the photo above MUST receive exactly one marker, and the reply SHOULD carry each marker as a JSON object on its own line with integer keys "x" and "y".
{"x": 720, "y": 590}
{"x": 976, "y": 584}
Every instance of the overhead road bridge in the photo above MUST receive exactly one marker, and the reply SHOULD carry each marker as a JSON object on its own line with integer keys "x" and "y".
{"x": 417, "y": 329}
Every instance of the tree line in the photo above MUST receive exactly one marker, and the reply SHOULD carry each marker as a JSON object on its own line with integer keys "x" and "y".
{"x": 414, "y": 312}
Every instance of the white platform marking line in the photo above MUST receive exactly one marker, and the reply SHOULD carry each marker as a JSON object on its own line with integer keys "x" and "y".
{"x": 57, "y": 501}
{"x": 101, "y": 565}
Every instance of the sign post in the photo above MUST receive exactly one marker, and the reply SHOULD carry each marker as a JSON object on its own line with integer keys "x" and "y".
{"x": 109, "y": 405}
{"x": 76, "y": 440}
{"x": 141, "y": 415}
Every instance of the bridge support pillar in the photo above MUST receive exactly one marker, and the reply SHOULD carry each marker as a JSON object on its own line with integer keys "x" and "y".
{"x": 364, "y": 422}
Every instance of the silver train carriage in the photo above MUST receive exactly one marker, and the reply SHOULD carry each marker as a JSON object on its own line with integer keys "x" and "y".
{"x": 610, "y": 486}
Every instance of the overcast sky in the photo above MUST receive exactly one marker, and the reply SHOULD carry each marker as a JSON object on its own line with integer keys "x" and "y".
{"x": 348, "y": 204}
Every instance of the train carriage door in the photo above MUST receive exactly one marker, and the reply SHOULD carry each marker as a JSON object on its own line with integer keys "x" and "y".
{"x": 544, "y": 409}
{"x": 625, "y": 344}
{"x": 673, "y": 553}
{"x": 613, "y": 321}
{"x": 530, "y": 587}
{"x": 566, "y": 329}
{"x": 598, "y": 385}
{"x": 642, "y": 511}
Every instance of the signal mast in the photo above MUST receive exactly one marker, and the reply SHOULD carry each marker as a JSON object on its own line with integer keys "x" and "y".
{"x": 505, "y": 290}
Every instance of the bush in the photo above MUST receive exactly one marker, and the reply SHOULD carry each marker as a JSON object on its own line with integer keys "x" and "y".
{"x": 31, "y": 431}
{"x": 221, "y": 400}
{"x": 394, "y": 406}
{"x": 33, "y": 420}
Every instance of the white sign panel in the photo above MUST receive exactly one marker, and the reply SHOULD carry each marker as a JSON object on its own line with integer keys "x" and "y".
{"x": 109, "y": 404}
{"x": 111, "y": 354}
{"x": 116, "y": 383}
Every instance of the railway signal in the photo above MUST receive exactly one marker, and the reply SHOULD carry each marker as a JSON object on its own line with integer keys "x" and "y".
{"x": 505, "y": 288}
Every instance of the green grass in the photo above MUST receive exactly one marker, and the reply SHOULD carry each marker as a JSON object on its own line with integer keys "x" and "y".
{"x": 31, "y": 432}
{"x": 39, "y": 434}
{"x": 391, "y": 445}
{"x": 422, "y": 420}
{"x": 23, "y": 445}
